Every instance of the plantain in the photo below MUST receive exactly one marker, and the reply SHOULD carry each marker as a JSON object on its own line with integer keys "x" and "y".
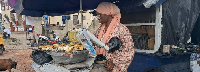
{"x": 63, "y": 44}
{"x": 66, "y": 47}
{"x": 70, "y": 49}
{"x": 48, "y": 46}
{"x": 44, "y": 49}
{"x": 40, "y": 47}
{"x": 61, "y": 48}
{"x": 71, "y": 44}
{"x": 56, "y": 45}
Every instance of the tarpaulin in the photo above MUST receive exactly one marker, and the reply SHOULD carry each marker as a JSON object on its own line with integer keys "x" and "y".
{"x": 179, "y": 17}
{"x": 38, "y": 8}
{"x": 127, "y": 6}
{"x": 195, "y": 36}
{"x": 12, "y": 3}
{"x": 31, "y": 20}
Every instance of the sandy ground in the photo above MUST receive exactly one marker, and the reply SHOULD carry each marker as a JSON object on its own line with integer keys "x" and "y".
{"x": 22, "y": 57}
{"x": 18, "y": 51}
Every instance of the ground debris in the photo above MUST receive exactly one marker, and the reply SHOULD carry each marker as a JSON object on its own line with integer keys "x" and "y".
{"x": 13, "y": 41}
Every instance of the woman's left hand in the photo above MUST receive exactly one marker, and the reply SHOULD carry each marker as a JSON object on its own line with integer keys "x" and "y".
{"x": 110, "y": 65}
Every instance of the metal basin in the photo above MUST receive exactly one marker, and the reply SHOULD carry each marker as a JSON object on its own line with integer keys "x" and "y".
{"x": 78, "y": 56}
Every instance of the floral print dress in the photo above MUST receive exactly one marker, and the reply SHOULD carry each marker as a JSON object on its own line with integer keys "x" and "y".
{"x": 121, "y": 59}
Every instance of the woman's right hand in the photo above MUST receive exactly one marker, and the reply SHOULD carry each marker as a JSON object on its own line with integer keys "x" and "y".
{"x": 110, "y": 65}
{"x": 101, "y": 51}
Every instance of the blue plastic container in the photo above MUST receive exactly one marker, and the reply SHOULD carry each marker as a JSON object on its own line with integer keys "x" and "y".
{"x": 143, "y": 61}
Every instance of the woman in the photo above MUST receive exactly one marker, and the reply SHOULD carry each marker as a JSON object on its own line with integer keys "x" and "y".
{"x": 109, "y": 16}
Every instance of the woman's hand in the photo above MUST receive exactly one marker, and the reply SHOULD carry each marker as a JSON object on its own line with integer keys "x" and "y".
{"x": 110, "y": 65}
{"x": 101, "y": 51}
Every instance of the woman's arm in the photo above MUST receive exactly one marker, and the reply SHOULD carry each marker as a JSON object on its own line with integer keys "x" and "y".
{"x": 125, "y": 56}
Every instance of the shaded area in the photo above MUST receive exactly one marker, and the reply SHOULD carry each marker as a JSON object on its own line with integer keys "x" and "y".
{"x": 178, "y": 21}
{"x": 38, "y": 8}
{"x": 195, "y": 36}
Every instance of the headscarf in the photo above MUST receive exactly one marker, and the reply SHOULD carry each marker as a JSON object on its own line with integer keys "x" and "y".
{"x": 108, "y": 9}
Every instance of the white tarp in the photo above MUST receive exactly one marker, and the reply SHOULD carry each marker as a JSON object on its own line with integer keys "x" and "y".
{"x": 149, "y": 3}
{"x": 31, "y": 20}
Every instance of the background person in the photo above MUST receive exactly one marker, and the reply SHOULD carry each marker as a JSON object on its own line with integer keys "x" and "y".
{"x": 6, "y": 32}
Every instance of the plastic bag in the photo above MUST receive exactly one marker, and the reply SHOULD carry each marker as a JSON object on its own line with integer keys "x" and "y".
{"x": 114, "y": 44}
{"x": 100, "y": 57}
{"x": 40, "y": 57}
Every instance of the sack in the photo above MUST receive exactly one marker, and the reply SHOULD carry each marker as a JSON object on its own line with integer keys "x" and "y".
{"x": 40, "y": 57}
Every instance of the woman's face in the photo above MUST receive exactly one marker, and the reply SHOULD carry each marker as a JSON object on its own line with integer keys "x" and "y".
{"x": 198, "y": 49}
{"x": 103, "y": 18}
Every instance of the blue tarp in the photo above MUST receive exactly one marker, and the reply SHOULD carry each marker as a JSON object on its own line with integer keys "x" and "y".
{"x": 38, "y": 8}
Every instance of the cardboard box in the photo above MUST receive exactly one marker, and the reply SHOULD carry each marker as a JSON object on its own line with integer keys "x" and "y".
{"x": 151, "y": 31}
{"x": 141, "y": 30}
{"x": 166, "y": 48}
{"x": 151, "y": 43}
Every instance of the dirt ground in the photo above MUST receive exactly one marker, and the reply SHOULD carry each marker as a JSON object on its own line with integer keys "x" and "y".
{"x": 22, "y": 57}
{"x": 18, "y": 51}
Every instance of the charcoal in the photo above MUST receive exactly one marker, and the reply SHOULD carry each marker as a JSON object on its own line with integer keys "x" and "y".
{"x": 40, "y": 57}
{"x": 190, "y": 47}
{"x": 140, "y": 41}
{"x": 175, "y": 51}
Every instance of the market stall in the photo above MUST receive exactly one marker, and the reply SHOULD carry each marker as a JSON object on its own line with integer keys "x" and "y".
{"x": 157, "y": 48}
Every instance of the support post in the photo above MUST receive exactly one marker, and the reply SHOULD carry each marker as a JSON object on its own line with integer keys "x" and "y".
{"x": 16, "y": 25}
{"x": 81, "y": 14}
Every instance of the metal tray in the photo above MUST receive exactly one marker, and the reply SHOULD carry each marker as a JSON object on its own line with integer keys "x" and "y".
{"x": 78, "y": 56}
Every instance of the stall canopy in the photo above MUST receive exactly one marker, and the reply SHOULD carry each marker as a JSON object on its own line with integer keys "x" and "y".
{"x": 38, "y": 8}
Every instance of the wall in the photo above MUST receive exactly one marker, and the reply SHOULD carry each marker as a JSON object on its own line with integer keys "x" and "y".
{"x": 87, "y": 18}
{"x": 55, "y": 19}
{"x": 69, "y": 23}
{"x": 17, "y": 20}
{"x": 6, "y": 24}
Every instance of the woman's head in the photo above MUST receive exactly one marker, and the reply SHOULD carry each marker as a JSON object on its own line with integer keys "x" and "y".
{"x": 106, "y": 10}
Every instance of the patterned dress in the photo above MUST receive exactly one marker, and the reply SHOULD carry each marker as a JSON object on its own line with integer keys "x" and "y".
{"x": 121, "y": 59}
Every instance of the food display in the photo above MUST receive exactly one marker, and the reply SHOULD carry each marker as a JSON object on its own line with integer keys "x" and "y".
{"x": 68, "y": 52}
{"x": 74, "y": 44}
{"x": 62, "y": 48}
